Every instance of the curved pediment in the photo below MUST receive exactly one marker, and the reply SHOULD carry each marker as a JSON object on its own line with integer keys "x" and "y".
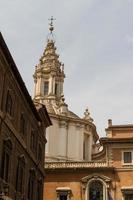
{"x": 96, "y": 176}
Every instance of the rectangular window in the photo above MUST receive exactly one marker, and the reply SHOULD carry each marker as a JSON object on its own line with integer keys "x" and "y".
{"x": 33, "y": 141}
{"x": 86, "y": 147}
{"x": 6, "y": 160}
{"x": 127, "y": 193}
{"x": 9, "y": 104}
{"x": 39, "y": 190}
{"x": 23, "y": 124}
{"x": 127, "y": 157}
{"x": 46, "y": 87}
{"x": 39, "y": 153}
{"x": 6, "y": 166}
{"x": 31, "y": 191}
{"x": 56, "y": 88}
{"x": 63, "y": 193}
{"x": 129, "y": 197}
{"x": 20, "y": 175}
{"x": 63, "y": 197}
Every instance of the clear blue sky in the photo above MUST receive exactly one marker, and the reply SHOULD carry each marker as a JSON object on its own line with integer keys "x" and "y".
{"x": 95, "y": 41}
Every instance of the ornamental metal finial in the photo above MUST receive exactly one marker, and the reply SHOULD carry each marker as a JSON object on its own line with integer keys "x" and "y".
{"x": 51, "y": 28}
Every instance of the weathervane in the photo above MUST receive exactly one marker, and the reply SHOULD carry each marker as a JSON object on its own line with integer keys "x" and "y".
{"x": 51, "y": 28}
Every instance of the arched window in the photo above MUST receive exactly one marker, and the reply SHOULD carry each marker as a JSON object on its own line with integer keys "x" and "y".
{"x": 97, "y": 187}
{"x": 7, "y": 148}
{"x": 95, "y": 190}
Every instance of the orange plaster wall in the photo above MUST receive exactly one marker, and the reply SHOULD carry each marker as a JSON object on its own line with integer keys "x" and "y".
{"x": 123, "y": 179}
{"x": 117, "y": 157}
{"x": 122, "y": 134}
{"x": 50, "y": 190}
{"x": 119, "y": 179}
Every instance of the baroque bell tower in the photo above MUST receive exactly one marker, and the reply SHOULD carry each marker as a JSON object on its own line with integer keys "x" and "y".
{"x": 49, "y": 74}
{"x": 70, "y": 137}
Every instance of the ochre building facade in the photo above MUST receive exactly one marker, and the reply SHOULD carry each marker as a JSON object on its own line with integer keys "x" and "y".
{"x": 108, "y": 176}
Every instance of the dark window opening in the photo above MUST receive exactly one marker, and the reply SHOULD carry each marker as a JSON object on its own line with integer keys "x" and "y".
{"x": 7, "y": 147}
{"x": 96, "y": 190}
{"x": 85, "y": 147}
{"x": 46, "y": 87}
{"x": 31, "y": 192}
{"x": 9, "y": 104}
{"x": 20, "y": 175}
{"x": 22, "y": 124}
{"x": 129, "y": 197}
{"x": 63, "y": 197}
{"x": 63, "y": 194}
{"x": 127, "y": 157}
{"x": 33, "y": 142}
{"x": 56, "y": 88}
{"x": 5, "y": 166}
{"x": 39, "y": 153}
{"x": 39, "y": 190}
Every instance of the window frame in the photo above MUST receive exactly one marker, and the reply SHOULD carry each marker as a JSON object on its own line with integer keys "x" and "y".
{"x": 126, "y": 191}
{"x": 127, "y": 163}
{"x": 95, "y": 182}
{"x": 105, "y": 188}
{"x": 65, "y": 191}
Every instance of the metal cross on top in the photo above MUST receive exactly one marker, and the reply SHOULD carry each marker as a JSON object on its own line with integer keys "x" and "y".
{"x": 51, "y": 28}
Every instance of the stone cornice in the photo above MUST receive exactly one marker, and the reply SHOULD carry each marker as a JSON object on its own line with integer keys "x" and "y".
{"x": 71, "y": 165}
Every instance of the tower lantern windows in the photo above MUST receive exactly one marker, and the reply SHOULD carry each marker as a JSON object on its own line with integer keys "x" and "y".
{"x": 56, "y": 88}
{"x": 46, "y": 87}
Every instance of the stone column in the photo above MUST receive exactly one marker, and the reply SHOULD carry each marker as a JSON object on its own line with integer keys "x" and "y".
{"x": 61, "y": 87}
{"x": 53, "y": 91}
{"x": 51, "y": 85}
{"x": 41, "y": 86}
